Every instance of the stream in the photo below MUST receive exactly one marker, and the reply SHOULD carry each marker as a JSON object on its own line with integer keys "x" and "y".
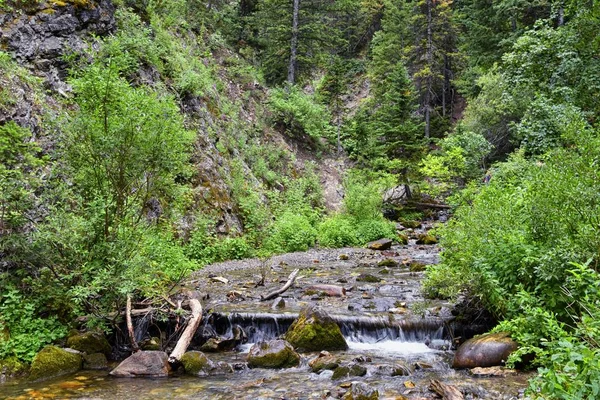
{"x": 385, "y": 319}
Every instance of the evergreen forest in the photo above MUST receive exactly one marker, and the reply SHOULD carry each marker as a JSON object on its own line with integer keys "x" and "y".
{"x": 141, "y": 140}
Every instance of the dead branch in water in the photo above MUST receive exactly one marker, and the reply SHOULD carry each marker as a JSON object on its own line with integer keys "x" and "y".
{"x": 285, "y": 287}
{"x": 134, "y": 344}
{"x": 188, "y": 333}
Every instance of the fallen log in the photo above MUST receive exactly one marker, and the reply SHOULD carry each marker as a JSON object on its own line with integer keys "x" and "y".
{"x": 329, "y": 290}
{"x": 188, "y": 333}
{"x": 446, "y": 391}
{"x": 134, "y": 344}
{"x": 285, "y": 287}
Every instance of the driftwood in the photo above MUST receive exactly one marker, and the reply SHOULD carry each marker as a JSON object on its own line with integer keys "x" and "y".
{"x": 285, "y": 287}
{"x": 329, "y": 290}
{"x": 446, "y": 391}
{"x": 134, "y": 344}
{"x": 188, "y": 333}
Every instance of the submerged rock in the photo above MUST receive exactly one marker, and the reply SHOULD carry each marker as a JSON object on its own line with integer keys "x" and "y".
{"x": 145, "y": 364}
{"x": 346, "y": 371}
{"x": 95, "y": 361}
{"x": 196, "y": 363}
{"x": 314, "y": 330}
{"x": 273, "y": 354}
{"x": 381, "y": 244}
{"x": 90, "y": 343}
{"x": 361, "y": 391}
{"x": 324, "y": 361}
{"x": 53, "y": 361}
{"x": 484, "y": 351}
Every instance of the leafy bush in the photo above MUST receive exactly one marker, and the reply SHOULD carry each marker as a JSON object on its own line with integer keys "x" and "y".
{"x": 374, "y": 229}
{"x": 337, "y": 231}
{"x": 300, "y": 114}
{"x": 291, "y": 232}
{"x": 24, "y": 329}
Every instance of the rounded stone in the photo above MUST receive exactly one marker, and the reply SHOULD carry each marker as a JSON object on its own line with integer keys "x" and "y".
{"x": 314, "y": 330}
{"x": 89, "y": 342}
{"x": 152, "y": 364}
{"x": 53, "y": 361}
{"x": 273, "y": 354}
{"x": 484, "y": 351}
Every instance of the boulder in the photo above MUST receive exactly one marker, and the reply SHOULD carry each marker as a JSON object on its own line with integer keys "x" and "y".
{"x": 410, "y": 224}
{"x": 89, "y": 343}
{"x": 95, "y": 361}
{"x": 53, "y": 361}
{"x": 314, "y": 330}
{"x": 426, "y": 239}
{"x": 387, "y": 262}
{"x": 403, "y": 239}
{"x": 349, "y": 370}
{"x": 148, "y": 364}
{"x": 417, "y": 266}
{"x": 324, "y": 361}
{"x": 361, "y": 391}
{"x": 484, "y": 351}
{"x": 273, "y": 354}
{"x": 197, "y": 364}
{"x": 368, "y": 278}
{"x": 381, "y": 244}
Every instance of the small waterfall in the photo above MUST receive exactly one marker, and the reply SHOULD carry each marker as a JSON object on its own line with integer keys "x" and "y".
{"x": 358, "y": 329}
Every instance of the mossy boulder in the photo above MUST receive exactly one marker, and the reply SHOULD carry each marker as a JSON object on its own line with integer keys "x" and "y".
{"x": 403, "y": 239}
{"x": 95, "y": 361}
{"x": 53, "y": 361}
{"x": 90, "y": 343}
{"x": 273, "y": 354}
{"x": 426, "y": 239}
{"x": 12, "y": 367}
{"x": 368, "y": 278}
{"x": 314, "y": 330}
{"x": 324, "y": 361}
{"x": 416, "y": 266}
{"x": 410, "y": 224}
{"x": 487, "y": 350}
{"x": 346, "y": 371}
{"x": 196, "y": 363}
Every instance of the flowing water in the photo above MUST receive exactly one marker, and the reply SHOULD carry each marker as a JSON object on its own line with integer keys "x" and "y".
{"x": 387, "y": 324}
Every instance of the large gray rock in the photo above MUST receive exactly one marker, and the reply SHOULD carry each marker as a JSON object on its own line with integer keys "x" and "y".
{"x": 53, "y": 361}
{"x": 314, "y": 330}
{"x": 273, "y": 354}
{"x": 148, "y": 364}
{"x": 484, "y": 351}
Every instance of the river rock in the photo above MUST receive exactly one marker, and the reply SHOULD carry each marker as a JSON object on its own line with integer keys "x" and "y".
{"x": 53, "y": 361}
{"x": 147, "y": 364}
{"x": 484, "y": 351}
{"x": 387, "y": 262}
{"x": 89, "y": 343}
{"x": 197, "y": 364}
{"x": 368, "y": 278}
{"x": 273, "y": 354}
{"x": 426, "y": 239}
{"x": 381, "y": 244}
{"x": 95, "y": 361}
{"x": 324, "y": 361}
{"x": 361, "y": 391}
{"x": 349, "y": 370}
{"x": 492, "y": 371}
{"x": 314, "y": 330}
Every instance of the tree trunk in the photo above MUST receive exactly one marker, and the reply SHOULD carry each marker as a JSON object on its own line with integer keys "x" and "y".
{"x": 291, "y": 77}
{"x": 429, "y": 55}
{"x": 134, "y": 345}
{"x": 188, "y": 333}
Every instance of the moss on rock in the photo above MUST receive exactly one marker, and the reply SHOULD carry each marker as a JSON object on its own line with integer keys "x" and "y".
{"x": 426, "y": 239}
{"x": 52, "y": 361}
{"x": 349, "y": 370}
{"x": 196, "y": 363}
{"x": 315, "y": 331}
{"x": 90, "y": 343}
{"x": 273, "y": 354}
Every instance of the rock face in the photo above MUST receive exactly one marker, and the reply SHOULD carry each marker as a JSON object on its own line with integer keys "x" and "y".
{"x": 484, "y": 351}
{"x": 273, "y": 354}
{"x": 143, "y": 364}
{"x": 89, "y": 343}
{"x": 314, "y": 330}
{"x": 196, "y": 363}
{"x": 381, "y": 244}
{"x": 52, "y": 361}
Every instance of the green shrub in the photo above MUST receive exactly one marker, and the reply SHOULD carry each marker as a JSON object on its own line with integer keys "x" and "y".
{"x": 291, "y": 232}
{"x": 374, "y": 229}
{"x": 337, "y": 231}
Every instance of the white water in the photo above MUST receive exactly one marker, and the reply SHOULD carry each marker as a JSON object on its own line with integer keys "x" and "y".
{"x": 391, "y": 346}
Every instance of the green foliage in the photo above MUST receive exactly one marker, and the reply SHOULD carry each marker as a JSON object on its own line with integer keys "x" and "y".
{"x": 337, "y": 231}
{"x": 206, "y": 248}
{"x": 24, "y": 329}
{"x": 300, "y": 115}
{"x": 291, "y": 232}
